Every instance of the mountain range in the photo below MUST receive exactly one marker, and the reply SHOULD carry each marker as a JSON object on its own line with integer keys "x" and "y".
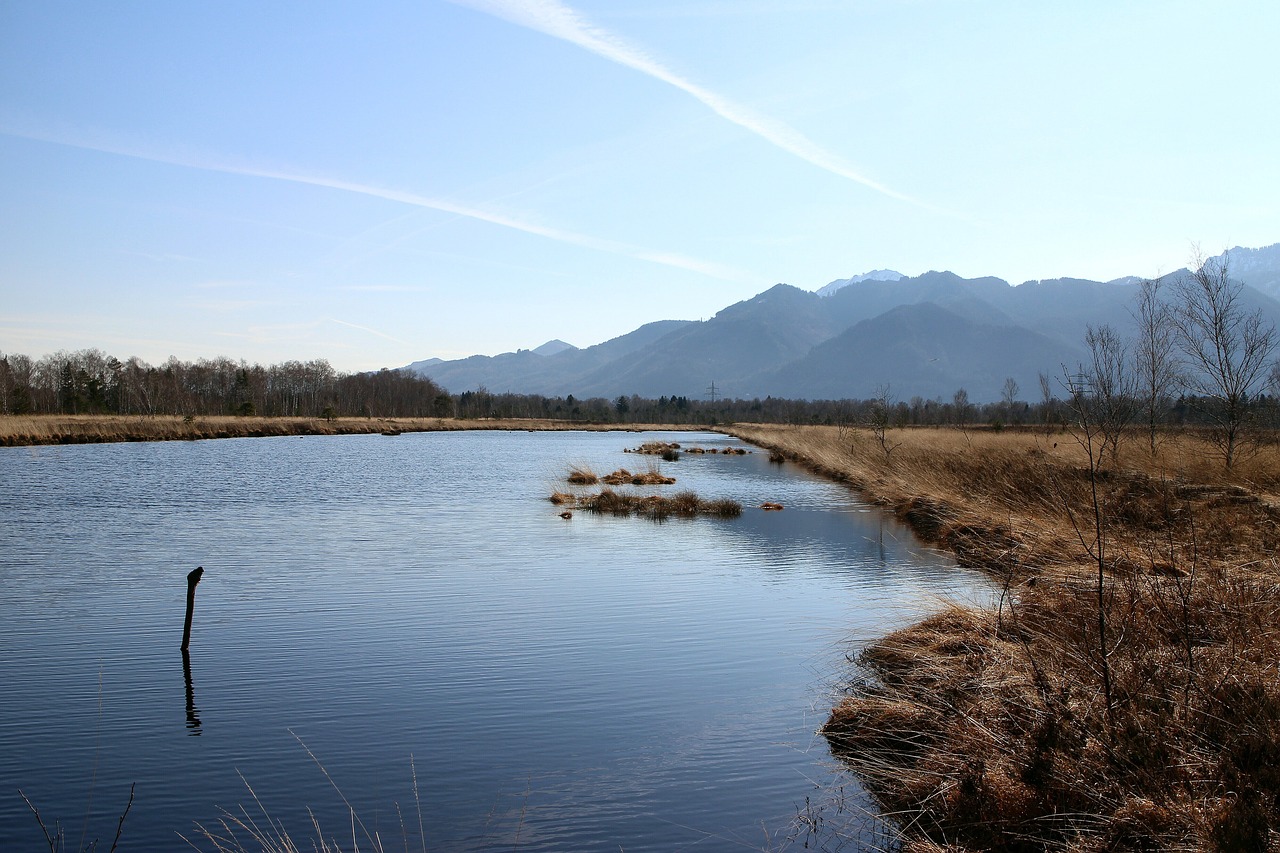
{"x": 926, "y": 336}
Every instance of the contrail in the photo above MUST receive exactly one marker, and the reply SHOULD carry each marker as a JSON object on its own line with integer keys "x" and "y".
{"x": 370, "y": 331}
{"x": 555, "y": 19}
{"x": 403, "y": 197}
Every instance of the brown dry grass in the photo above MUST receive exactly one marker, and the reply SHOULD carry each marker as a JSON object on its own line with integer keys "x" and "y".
{"x": 582, "y": 475}
{"x": 88, "y": 429}
{"x": 727, "y": 451}
{"x": 994, "y": 729}
{"x": 685, "y": 504}
{"x": 654, "y": 448}
{"x": 623, "y": 477}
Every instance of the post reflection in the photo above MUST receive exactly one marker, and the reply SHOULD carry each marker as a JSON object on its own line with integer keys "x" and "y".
{"x": 193, "y": 713}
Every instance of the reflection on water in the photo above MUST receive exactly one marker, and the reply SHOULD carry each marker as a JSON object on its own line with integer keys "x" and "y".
{"x": 193, "y": 713}
{"x": 587, "y": 684}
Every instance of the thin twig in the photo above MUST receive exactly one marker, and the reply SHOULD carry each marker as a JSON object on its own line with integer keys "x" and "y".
{"x": 52, "y": 847}
{"x": 123, "y": 815}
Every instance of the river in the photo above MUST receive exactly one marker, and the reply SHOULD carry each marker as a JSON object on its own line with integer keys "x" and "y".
{"x": 404, "y": 628}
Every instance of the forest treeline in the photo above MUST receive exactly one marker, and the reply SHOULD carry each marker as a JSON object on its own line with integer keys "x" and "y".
{"x": 90, "y": 381}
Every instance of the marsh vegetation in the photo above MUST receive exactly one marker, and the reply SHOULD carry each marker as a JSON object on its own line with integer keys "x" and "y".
{"x": 684, "y": 504}
{"x": 22, "y": 430}
{"x": 1124, "y": 691}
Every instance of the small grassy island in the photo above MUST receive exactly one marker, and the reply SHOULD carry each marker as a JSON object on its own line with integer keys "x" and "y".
{"x": 684, "y": 504}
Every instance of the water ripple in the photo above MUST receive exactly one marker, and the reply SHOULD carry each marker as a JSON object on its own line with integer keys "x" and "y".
{"x": 581, "y": 685}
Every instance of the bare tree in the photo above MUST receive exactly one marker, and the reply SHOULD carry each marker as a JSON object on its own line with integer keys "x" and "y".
{"x": 6, "y": 385}
{"x": 960, "y": 402}
{"x": 1110, "y": 401}
{"x": 1228, "y": 349}
{"x": 1009, "y": 395}
{"x": 1047, "y": 401}
{"x": 879, "y": 415}
{"x": 917, "y": 409}
{"x": 1092, "y": 533}
{"x": 1155, "y": 354}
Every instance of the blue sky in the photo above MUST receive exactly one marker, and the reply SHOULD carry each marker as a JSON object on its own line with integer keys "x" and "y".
{"x": 383, "y": 182}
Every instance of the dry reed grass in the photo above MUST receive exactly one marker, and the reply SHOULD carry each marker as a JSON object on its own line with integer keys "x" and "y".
{"x": 623, "y": 477}
{"x": 582, "y": 475}
{"x": 725, "y": 451}
{"x": 1023, "y": 726}
{"x": 684, "y": 504}
{"x": 654, "y": 448}
{"x": 19, "y": 430}
{"x": 244, "y": 830}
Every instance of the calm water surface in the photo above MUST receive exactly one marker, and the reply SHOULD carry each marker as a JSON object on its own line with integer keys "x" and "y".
{"x": 414, "y": 605}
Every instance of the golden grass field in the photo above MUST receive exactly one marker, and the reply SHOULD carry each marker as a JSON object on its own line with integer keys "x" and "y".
{"x": 1133, "y": 709}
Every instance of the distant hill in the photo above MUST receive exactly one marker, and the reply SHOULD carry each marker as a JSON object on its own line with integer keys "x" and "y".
{"x": 560, "y": 372}
{"x": 926, "y": 335}
{"x": 775, "y": 327}
{"x": 553, "y": 347}
{"x": 922, "y": 350}
{"x": 424, "y": 366}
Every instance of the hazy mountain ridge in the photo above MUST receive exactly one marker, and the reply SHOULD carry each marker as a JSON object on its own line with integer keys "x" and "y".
{"x": 922, "y": 350}
{"x": 1258, "y": 268}
{"x": 527, "y": 372}
{"x": 874, "y": 275}
{"x": 926, "y": 335}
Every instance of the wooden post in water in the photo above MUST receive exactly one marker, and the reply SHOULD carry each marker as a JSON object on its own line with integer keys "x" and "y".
{"x": 193, "y": 578}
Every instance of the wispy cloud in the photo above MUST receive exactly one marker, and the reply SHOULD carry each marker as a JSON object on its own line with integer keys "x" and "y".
{"x": 373, "y": 332}
{"x": 559, "y": 21}
{"x": 210, "y": 164}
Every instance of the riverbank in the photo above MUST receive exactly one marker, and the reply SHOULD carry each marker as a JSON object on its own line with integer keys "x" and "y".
{"x": 1123, "y": 693}
{"x": 19, "y": 430}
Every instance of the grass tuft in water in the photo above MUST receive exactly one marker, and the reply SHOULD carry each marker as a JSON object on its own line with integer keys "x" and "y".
{"x": 684, "y": 504}
{"x": 581, "y": 475}
{"x": 651, "y": 477}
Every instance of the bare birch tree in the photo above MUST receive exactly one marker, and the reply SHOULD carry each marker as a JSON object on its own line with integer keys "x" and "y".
{"x": 879, "y": 415}
{"x": 1111, "y": 400}
{"x": 1009, "y": 396}
{"x": 1228, "y": 349}
{"x": 1155, "y": 354}
{"x": 960, "y": 404}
